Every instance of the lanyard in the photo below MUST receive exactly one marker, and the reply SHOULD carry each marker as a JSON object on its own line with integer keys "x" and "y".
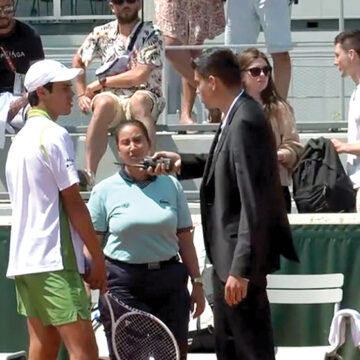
{"x": 8, "y": 59}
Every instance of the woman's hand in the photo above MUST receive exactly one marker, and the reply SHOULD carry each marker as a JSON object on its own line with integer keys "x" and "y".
{"x": 281, "y": 157}
{"x": 197, "y": 298}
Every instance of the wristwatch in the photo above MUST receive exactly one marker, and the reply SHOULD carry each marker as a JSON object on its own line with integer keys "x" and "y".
{"x": 197, "y": 280}
{"x": 102, "y": 81}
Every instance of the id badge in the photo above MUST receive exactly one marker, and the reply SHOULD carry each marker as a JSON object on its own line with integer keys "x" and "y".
{"x": 18, "y": 89}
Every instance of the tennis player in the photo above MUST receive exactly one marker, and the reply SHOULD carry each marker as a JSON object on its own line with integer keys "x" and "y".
{"x": 50, "y": 223}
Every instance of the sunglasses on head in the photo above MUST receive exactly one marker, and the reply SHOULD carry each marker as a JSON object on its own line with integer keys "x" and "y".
{"x": 120, "y": 2}
{"x": 256, "y": 71}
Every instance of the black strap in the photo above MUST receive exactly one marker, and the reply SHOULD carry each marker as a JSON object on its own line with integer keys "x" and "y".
{"x": 133, "y": 38}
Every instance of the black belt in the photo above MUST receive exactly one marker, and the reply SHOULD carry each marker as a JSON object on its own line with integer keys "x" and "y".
{"x": 155, "y": 265}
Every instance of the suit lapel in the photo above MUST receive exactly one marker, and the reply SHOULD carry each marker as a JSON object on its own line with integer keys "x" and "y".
{"x": 211, "y": 153}
{"x": 216, "y": 149}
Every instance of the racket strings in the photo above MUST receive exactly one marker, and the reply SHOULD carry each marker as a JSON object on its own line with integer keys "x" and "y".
{"x": 140, "y": 337}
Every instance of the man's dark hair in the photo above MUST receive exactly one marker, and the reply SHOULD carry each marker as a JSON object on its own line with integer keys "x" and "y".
{"x": 33, "y": 97}
{"x": 349, "y": 40}
{"x": 221, "y": 63}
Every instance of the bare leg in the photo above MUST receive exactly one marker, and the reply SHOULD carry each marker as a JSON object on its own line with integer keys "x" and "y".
{"x": 140, "y": 107}
{"x": 44, "y": 340}
{"x": 79, "y": 340}
{"x": 187, "y": 103}
{"x": 96, "y": 136}
{"x": 188, "y": 96}
{"x": 282, "y": 72}
{"x": 181, "y": 60}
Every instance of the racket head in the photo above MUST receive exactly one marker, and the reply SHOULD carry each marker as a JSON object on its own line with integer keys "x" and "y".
{"x": 138, "y": 335}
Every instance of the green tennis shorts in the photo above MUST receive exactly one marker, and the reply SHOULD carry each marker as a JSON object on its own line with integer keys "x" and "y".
{"x": 56, "y": 298}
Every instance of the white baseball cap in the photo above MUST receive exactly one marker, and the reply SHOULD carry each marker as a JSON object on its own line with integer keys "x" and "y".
{"x": 45, "y": 71}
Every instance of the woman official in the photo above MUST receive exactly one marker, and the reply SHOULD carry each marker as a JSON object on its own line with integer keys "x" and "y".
{"x": 145, "y": 223}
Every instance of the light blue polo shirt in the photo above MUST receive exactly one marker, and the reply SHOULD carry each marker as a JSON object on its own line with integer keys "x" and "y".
{"x": 141, "y": 221}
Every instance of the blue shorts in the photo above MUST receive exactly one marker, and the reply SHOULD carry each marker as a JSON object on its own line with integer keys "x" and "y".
{"x": 244, "y": 18}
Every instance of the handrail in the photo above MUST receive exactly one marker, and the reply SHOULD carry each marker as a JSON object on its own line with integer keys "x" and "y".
{"x": 209, "y": 45}
{"x": 57, "y": 15}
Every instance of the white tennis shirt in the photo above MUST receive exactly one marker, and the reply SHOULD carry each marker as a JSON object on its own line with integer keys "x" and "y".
{"x": 40, "y": 164}
{"x": 353, "y": 161}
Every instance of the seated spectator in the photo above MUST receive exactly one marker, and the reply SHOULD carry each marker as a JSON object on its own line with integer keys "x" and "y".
{"x": 20, "y": 46}
{"x": 257, "y": 81}
{"x": 134, "y": 93}
{"x": 146, "y": 222}
{"x": 188, "y": 22}
{"x": 244, "y": 19}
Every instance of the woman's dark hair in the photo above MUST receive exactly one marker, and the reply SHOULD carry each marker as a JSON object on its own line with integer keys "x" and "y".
{"x": 269, "y": 96}
{"x": 136, "y": 123}
{"x": 33, "y": 97}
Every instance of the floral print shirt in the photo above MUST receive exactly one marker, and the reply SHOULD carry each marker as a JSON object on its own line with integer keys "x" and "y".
{"x": 104, "y": 43}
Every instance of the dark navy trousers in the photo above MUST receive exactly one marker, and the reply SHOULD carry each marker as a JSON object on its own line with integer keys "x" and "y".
{"x": 161, "y": 292}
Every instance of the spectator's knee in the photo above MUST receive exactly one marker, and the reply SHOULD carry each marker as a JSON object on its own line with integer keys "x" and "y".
{"x": 104, "y": 104}
{"x": 140, "y": 106}
{"x": 104, "y": 111}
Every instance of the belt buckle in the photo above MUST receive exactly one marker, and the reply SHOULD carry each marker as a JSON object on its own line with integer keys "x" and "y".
{"x": 154, "y": 265}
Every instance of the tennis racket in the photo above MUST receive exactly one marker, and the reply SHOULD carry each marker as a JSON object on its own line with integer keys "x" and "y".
{"x": 138, "y": 335}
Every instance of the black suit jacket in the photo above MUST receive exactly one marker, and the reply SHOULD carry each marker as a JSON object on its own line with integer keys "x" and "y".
{"x": 243, "y": 212}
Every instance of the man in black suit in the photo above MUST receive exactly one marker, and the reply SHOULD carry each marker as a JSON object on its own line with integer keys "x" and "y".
{"x": 243, "y": 212}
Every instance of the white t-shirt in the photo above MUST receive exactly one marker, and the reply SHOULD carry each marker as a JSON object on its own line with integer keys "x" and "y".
{"x": 40, "y": 164}
{"x": 353, "y": 161}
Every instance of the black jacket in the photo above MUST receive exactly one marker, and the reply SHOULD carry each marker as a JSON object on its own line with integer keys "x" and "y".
{"x": 243, "y": 213}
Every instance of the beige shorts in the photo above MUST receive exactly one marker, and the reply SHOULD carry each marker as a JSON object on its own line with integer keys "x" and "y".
{"x": 123, "y": 108}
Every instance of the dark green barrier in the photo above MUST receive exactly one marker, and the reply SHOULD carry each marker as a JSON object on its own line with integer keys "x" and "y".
{"x": 321, "y": 248}
{"x": 13, "y": 336}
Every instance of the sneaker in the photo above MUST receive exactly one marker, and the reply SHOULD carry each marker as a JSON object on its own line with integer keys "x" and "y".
{"x": 86, "y": 180}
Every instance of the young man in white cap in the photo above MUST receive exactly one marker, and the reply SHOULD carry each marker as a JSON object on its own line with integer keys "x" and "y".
{"x": 50, "y": 223}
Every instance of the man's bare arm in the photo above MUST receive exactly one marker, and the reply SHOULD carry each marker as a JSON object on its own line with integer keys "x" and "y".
{"x": 15, "y": 106}
{"x": 134, "y": 77}
{"x": 80, "y": 85}
{"x": 80, "y": 81}
{"x": 346, "y": 148}
{"x": 80, "y": 219}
